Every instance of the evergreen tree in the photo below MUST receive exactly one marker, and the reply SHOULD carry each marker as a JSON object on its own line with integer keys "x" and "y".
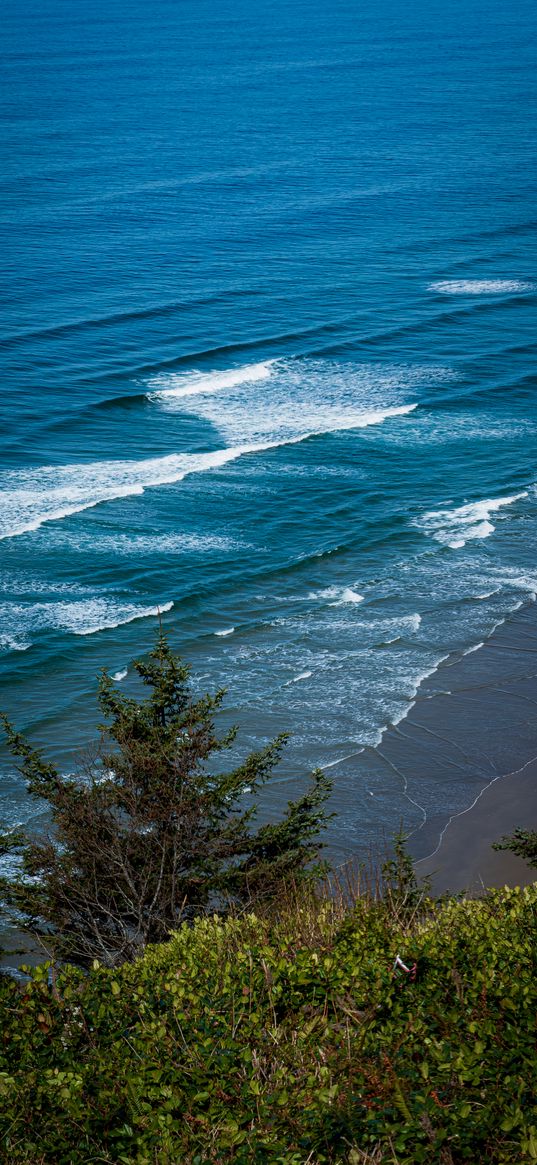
{"x": 523, "y": 843}
{"x": 145, "y": 836}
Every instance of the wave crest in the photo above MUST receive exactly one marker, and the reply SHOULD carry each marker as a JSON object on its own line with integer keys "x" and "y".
{"x": 86, "y": 617}
{"x": 179, "y": 385}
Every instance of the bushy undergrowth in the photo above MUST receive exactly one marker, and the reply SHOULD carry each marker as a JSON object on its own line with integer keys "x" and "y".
{"x": 290, "y": 1041}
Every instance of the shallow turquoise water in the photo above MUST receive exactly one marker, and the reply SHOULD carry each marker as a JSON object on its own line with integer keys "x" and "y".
{"x": 267, "y": 359}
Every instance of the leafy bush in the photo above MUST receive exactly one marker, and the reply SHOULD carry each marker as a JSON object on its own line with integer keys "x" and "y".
{"x": 293, "y": 1041}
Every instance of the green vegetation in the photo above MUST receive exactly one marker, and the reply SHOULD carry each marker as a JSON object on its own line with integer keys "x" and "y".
{"x": 523, "y": 843}
{"x": 289, "y": 1040}
{"x": 150, "y": 832}
{"x": 284, "y": 1021}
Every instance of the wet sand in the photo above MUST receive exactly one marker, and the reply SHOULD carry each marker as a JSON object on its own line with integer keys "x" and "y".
{"x": 488, "y": 721}
{"x": 465, "y": 859}
{"x": 462, "y": 765}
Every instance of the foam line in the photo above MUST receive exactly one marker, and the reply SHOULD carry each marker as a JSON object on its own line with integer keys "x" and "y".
{"x": 462, "y": 812}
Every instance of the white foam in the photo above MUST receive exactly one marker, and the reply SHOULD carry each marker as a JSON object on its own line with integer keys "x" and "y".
{"x": 349, "y": 596}
{"x": 50, "y": 494}
{"x": 292, "y": 400}
{"x": 10, "y": 643}
{"x": 120, "y": 675}
{"x": 22, "y": 584}
{"x": 340, "y": 596}
{"x": 412, "y": 622}
{"x": 341, "y": 759}
{"x": 470, "y": 650}
{"x": 304, "y": 675}
{"x": 253, "y": 409}
{"x": 414, "y": 684}
{"x": 522, "y": 582}
{"x": 454, "y": 528}
{"x": 408, "y": 707}
{"x": 180, "y": 385}
{"x": 481, "y": 286}
{"x": 85, "y": 617}
{"x": 302, "y": 398}
{"x": 145, "y": 544}
{"x": 225, "y": 632}
{"x": 101, "y": 616}
{"x": 29, "y": 498}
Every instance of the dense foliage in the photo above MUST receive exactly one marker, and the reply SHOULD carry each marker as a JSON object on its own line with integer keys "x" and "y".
{"x": 150, "y": 832}
{"x": 291, "y": 1041}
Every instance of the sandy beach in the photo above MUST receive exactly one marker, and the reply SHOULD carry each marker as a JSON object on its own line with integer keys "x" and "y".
{"x": 476, "y": 720}
{"x": 465, "y": 859}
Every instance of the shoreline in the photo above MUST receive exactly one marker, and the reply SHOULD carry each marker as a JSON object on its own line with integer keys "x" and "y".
{"x": 447, "y": 771}
{"x": 481, "y": 718}
{"x": 464, "y": 858}
{"x": 472, "y": 719}
{"x": 460, "y": 767}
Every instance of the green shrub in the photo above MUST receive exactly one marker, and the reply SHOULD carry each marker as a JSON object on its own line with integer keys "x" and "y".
{"x": 290, "y": 1041}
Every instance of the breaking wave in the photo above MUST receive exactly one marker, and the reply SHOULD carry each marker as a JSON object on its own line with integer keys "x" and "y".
{"x": 339, "y": 596}
{"x": 303, "y": 675}
{"x": 318, "y": 399}
{"x": 85, "y": 617}
{"x": 254, "y": 408}
{"x": 178, "y": 385}
{"x": 456, "y": 527}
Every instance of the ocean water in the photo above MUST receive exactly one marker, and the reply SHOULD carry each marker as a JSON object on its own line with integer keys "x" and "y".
{"x": 267, "y": 360}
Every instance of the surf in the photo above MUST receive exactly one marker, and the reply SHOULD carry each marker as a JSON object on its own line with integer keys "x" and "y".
{"x": 308, "y": 400}
{"x": 455, "y": 527}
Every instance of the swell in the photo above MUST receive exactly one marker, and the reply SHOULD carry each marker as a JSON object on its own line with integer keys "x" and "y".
{"x": 503, "y": 231}
{"x": 276, "y": 341}
{"x": 520, "y": 387}
{"x": 218, "y": 351}
{"x": 170, "y": 309}
{"x": 159, "y": 311}
{"x": 417, "y": 327}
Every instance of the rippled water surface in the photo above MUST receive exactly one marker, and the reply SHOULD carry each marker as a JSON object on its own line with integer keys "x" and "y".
{"x": 267, "y": 358}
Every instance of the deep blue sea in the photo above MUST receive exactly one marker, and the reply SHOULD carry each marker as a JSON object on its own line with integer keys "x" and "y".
{"x": 267, "y": 360}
